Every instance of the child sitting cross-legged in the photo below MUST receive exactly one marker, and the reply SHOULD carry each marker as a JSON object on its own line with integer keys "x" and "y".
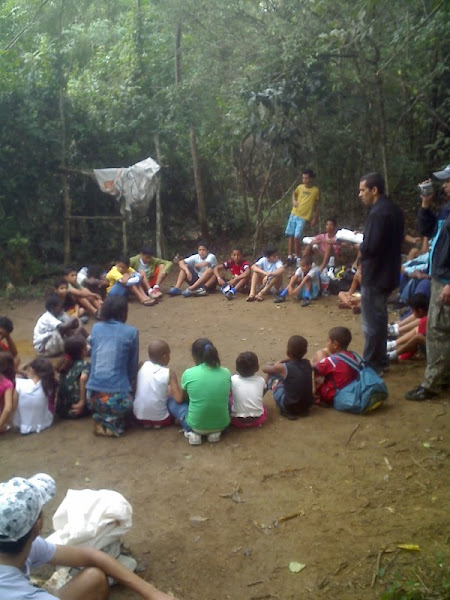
{"x": 89, "y": 301}
{"x": 291, "y": 380}
{"x": 240, "y": 274}
{"x": 197, "y": 271}
{"x": 53, "y": 327}
{"x": 155, "y": 384}
{"x": 268, "y": 272}
{"x": 304, "y": 284}
{"x": 330, "y": 373}
{"x": 124, "y": 280}
{"x": 247, "y": 389}
{"x": 206, "y": 389}
{"x": 73, "y": 372}
{"x": 414, "y": 338}
{"x": 70, "y": 306}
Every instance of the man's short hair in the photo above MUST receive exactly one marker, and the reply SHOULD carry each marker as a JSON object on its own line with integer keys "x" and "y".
{"x": 374, "y": 180}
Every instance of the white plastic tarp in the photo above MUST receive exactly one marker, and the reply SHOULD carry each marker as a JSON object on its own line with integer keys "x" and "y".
{"x": 137, "y": 184}
{"x": 94, "y": 518}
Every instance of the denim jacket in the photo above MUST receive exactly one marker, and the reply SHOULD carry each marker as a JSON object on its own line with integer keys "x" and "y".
{"x": 114, "y": 357}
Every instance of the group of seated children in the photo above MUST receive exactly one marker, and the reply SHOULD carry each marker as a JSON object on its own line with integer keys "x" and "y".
{"x": 408, "y": 336}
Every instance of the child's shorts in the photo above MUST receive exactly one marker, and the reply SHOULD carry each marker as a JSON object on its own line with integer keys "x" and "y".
{"x": 313, "y": 294}
{"x": 295, "y": 227}
{"x": 245, "y": 422}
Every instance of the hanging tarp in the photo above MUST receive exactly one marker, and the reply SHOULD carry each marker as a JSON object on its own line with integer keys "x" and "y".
{"x": 136, "y": 184}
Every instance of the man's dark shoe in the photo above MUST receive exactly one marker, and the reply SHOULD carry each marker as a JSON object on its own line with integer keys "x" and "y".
{"x": 419, "y": 394}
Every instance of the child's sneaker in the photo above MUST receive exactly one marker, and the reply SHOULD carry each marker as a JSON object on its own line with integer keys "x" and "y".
{"x": 279, "y": 299}
{"x": 391, "y": 345}
{"x": 149, "y": 292}
{"x": 229, "y": 295}
{"x": 393, "y": 330}
{"x": 306, "y": 302}
{"x": 200, "y": 292}
{"x": 174, "y": 291}
{"x": 194, "y": 438}
{"x": 157, "y": 293}
{"x": 187, "y": 293}
{"x": 214, "y": 437}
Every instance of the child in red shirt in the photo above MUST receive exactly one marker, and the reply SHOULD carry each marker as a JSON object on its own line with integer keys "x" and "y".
{"x": 330, "y": 373}
{"x": 407, "y": 345}
{"x": 240, "y": 271}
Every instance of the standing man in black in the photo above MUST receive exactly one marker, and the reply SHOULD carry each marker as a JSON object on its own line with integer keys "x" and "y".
{"x": 380, "y": 266}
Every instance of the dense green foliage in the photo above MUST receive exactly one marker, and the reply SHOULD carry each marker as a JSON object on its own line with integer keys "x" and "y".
{"x": 268, "y": 86}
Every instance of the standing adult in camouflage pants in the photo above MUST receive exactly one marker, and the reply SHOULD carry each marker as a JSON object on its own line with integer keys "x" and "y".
{"x": 437, "y": 226}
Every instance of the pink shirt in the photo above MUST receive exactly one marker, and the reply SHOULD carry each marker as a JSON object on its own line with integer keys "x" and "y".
{"x": 321, "y": 240}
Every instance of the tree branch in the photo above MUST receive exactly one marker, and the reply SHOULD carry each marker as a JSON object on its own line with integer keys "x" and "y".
{"x": 26, "y": 28}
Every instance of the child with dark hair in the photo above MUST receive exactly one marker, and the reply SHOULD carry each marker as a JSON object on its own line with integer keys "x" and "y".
{"x": 6, "y": 342}
{"x": 266, "y": 272}
{"x": 291, "y": 380}
{"x": 156, "y": 383}
{"x": 53, "y": 327}
{"x": 206, "y": 389}
{"x": 8, "y": 395}
{"x": 197, "y": 271}
{"x": 407, "y": 345}
{"x": 304, "y": 284}
{"x": 73, "y": 372}
{"x": 326, "y": 243}
{"x": 152, "y": 269}
{"x": 330, "y": 373}
{"x": 240, "y": 274}
{"x": 247, "y": 389}
{"x": 124, "y": 280}
{"x": 70, "y": 306}
{"x": 36, "y": 397}
{"x": 82, "y": 296}
{"x": 93, "y": 279}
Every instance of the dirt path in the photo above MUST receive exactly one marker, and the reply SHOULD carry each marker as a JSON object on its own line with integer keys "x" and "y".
{"x": 208, "y": 520}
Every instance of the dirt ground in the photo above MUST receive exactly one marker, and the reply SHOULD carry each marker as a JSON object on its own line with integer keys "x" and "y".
{"x": 212, "y": 522}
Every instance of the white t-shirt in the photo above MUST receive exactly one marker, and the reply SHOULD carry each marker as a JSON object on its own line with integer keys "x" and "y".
{"x": 313, "y": 273}
{"x": 32, "y": 414}
{"x": 43, "y": 330}
{"x": 247, "y": 395}
{"x": 193, "y": 260}
{"x": 150, "y": 402}
{"x": 264, "y": 264}
{"x": 82, "y": 275}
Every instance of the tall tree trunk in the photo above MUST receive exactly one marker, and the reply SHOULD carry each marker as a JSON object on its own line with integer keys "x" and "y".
{"x": 177, "y": 54}
{"x": 201, "y": 208}
{"x": 161, "y": 249}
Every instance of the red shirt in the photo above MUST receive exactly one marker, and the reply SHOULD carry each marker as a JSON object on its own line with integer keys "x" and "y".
{"x": 4, "y": 346}
{"x": 422, "y": 328}
{"x": 236, "y": 268}
{"x": 337, "y": 375}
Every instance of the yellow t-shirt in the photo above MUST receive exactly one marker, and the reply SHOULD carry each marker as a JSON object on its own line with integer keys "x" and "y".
{"x": 115, "y": 275}
{"x": 306, "y": 201}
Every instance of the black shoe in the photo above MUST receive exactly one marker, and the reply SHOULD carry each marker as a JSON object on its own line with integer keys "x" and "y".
{"x": 306, "y": 302}
{"x": 279, "y": 299}
{"x": 419, "y": 394}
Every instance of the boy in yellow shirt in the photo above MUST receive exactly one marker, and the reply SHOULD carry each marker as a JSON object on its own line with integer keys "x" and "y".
{"x": 305, "y": 203}
{"x": 123, "y": 279}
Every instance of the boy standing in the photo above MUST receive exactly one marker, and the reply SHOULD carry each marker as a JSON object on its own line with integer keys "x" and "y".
{"x": 153, "y": 270}
{"x": 305, "y": 202}
{"x": 240, "y": 271}
{"x": 291, "y": 380}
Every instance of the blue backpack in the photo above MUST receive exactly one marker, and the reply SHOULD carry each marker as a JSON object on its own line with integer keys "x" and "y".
{"x": 367, "y": 392}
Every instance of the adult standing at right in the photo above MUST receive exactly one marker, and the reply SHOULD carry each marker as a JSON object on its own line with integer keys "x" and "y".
{"x": 437, "y": 226}
{"x": 380, "y": 266}
{"x": 305, "y": 208}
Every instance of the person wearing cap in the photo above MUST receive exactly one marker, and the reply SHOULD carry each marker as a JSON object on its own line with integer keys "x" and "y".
{"x": 22, "y": 548}
{"x": 436, "y": 226}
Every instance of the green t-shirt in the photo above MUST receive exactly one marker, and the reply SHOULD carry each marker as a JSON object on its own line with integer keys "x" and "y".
{"x": 208, "y": 390}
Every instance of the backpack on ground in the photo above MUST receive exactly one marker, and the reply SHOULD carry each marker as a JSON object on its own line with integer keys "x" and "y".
{"x": 367, "y": 392}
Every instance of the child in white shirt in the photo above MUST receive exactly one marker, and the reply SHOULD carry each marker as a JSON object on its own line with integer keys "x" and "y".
{"x": 155, "y": 383}
{"x": 197, "y": 271}
{"x": 268, "y": 272}
{"x": 247, "y": 408}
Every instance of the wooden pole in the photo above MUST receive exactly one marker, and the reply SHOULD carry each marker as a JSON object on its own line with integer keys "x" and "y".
{"x": 123, "y": 212}
{"x": 67, "y": 217}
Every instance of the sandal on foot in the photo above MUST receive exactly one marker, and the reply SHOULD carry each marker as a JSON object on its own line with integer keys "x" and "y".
{"x": 259, "y": 297}
{"x": 99, "y": 429}
{"x": 250, "y": 299}
{"x": 149, "y": 302}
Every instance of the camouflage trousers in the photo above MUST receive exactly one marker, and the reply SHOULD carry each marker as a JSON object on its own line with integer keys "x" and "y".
{"x": 438, "y": 341}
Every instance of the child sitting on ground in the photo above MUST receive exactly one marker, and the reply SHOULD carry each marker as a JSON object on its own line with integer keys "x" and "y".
{"x": 73, "y": 374}
{"x": 36, "y": 397}
{"x": 53, "y": 327}
{"x": 124, "y": 280}
{"x": 197, "y": 271}
{"x": 92, "y": 279}
{"x": 153, "y": 270}
{"x": 247, "y": 389}
{"x": 291, "y": 380}
{"x": 268, "y": 272}
{"x": 6, "y": 342}
{"x": 86, "y": 299}
{"x": 305, "y": 283}
{"x": 240, "y": 271}
{"x": 207, "y": 389}
{"x": 70, "y": 306}
{"x": 155, "y": 384}
{"x": 8, "y": 395}
{"x": 330, "y": 373}
{"x": 352, "y": 298}
{"x": 413, "y": 336}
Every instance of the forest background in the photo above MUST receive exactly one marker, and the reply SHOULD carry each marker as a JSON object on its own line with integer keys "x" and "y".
{"x": 232, "y": 97}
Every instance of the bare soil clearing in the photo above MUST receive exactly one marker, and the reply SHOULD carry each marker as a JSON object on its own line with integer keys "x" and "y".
{"x": 211, "y": 522}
